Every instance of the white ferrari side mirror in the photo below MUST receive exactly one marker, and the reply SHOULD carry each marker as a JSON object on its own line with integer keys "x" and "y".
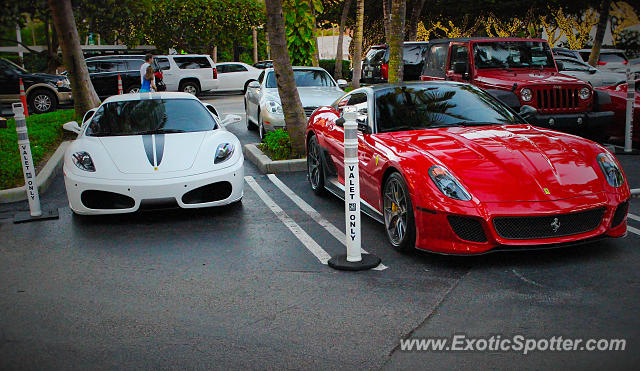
{"x": 254, "y": 85}
{"x": 72, "y": 126}
{"x": 342, "y": 83}
{"x": 230, "y": 119}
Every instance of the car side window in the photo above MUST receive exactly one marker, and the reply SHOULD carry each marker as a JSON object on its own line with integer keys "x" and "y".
{"x": 110, "y": 66}
{"x": 163, "y": 63}
{"x": 261, "y": 77}
{"x": 92, "y": 67}
{"x": 135, "y": 64}
{"x": 192, "y": 62}
{"x": 412, "y": 54}
{"x": 236, "y": 68}
{"x": 459, "y": 54}
{"x": 222, "y": 68}
{"x": 436, "y": 58}
{"x": 572, "y": 66}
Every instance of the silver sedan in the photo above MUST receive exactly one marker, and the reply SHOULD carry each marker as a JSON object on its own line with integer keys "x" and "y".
{"x": 262, "y": 102}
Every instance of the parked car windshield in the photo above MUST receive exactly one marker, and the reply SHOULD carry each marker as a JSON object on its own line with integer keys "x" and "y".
{"x": 14, "y": 66}
{"x": 428, "y": 106}
{"x": 512, "y": 54}
{"x": 304, "y": 78}
{"x": 150, "y": 116}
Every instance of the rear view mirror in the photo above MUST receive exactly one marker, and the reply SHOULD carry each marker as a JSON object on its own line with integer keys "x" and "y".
{"x": 72, "y": 126}
{"x": 230, "y": 119}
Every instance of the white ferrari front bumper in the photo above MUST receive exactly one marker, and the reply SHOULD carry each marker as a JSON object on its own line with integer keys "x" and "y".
{"x": 92, "y": 196}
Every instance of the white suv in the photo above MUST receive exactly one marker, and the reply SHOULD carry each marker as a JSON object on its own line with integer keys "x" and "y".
{"x": 190, "y": 73}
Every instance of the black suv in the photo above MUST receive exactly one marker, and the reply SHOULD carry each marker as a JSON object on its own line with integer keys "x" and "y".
{"x": 104, "y": 72}
{"x": 44, "y": 91}
{"x": 375, "y": 66}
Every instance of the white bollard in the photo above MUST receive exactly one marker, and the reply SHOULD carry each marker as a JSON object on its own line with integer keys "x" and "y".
{"x": 28, "y": 167}
{"x": 354, "y": 260}
{"x": 631, "y": 92}
{"x": 352, "y": 184}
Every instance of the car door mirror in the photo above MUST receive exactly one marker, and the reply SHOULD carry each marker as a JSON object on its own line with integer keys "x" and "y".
{"x": 342, "y": 84}
{"x": 230, "y": 119}
{"x": 254, "y": 85}
{"x": 527, "y": 112}
{"x": 72, "y": 126}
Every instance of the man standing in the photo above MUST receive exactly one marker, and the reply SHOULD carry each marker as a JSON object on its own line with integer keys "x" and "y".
{"x": 148, "y": 61}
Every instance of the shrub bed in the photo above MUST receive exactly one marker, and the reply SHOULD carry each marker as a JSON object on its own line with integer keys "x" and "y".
{"x": 45, "y": 135}
{"x": 277, "y": 145}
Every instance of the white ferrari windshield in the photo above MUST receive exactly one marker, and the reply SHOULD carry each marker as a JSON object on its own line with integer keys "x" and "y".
{"x": 150, "y": 116}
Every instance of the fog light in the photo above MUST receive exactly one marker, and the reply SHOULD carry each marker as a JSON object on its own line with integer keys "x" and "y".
{"x": 552, "y": 122}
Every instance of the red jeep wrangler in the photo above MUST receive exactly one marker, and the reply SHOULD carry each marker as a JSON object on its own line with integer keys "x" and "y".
{"x": 523, "y": 74}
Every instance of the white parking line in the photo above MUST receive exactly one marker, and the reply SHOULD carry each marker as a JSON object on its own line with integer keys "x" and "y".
{"x": 634, "y": 217}
{"x": 335, "y": 232}
{"x": 297, "y": 231}
{"x": 633, "y": 230}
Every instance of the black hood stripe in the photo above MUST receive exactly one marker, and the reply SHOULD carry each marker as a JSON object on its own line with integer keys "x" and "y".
{"x": 159, "y": 148}
{"x": 147, "y": 141}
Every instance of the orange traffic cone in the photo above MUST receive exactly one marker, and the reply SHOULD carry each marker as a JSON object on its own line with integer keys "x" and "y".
{"x": 119, "y": 85}
{"x": 23, "y": 99}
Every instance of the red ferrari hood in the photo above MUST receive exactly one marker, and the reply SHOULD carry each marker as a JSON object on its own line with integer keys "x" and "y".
{"x": 509, "y": 163}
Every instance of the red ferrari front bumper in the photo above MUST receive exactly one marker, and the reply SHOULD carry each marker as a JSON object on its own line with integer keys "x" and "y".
{"x": 475, "y": 230}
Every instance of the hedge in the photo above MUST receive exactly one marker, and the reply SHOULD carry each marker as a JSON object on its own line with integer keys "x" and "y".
{"x": 330, "y": 66}
{"x": 45, "y": 134}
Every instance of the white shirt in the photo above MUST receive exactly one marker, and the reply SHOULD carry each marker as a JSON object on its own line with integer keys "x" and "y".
{"x": 143, "y": 71}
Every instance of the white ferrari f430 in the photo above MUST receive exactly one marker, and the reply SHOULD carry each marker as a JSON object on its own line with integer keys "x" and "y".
{"x": 152, "y": 150}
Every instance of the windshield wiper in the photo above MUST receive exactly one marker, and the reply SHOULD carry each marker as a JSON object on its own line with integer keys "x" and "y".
{"x": 159, "y": 131}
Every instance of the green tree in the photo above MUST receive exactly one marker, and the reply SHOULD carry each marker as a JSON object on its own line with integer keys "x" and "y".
{"x": 294, "y": 116}
{"x": 357, "y": 42}
{"x": 396, "y": 36}
{"x": 300, "y": 25}
{"x": 84, "y": 96}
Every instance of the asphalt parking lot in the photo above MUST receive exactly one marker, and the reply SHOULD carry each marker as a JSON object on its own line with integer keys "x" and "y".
{"x": 236, "y": 287}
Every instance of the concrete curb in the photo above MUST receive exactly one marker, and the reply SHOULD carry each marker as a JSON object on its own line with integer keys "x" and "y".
{"x": 43, "y": 178}
{"x": 267, "y": 166}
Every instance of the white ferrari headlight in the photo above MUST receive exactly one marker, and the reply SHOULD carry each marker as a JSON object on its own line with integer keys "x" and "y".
{"x": 223, "y": 152}
{"x": 274, "y": 107}
{"x": 83, "y": 161}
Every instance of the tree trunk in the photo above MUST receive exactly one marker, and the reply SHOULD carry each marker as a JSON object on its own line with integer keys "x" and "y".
{"x": 315, "y": 57}
{"x": 594, "y": 57}
{"x": 357, "y": 39}
{"x": 84, "y": 96}
{"x": 386, "y": 16}
{"x": 213, "y": 52}
{"x": 254, "y": 32}
{"x": 294, "y": 116}
{"x": 412, "y": 27}
{"x": 343, "y": 19}
{"x": 396, "y": 65}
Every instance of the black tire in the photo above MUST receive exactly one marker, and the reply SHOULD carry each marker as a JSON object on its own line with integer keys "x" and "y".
{"x": 190, "y": 87}
{"x": 250, "y": 125}
{"x": 42, "y": 101}
{"x": 315, "y": 168}
{"x": 399, "y": 222}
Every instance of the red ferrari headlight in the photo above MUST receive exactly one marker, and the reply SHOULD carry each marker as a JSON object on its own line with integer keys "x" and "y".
{"x": 447, "y": 184}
